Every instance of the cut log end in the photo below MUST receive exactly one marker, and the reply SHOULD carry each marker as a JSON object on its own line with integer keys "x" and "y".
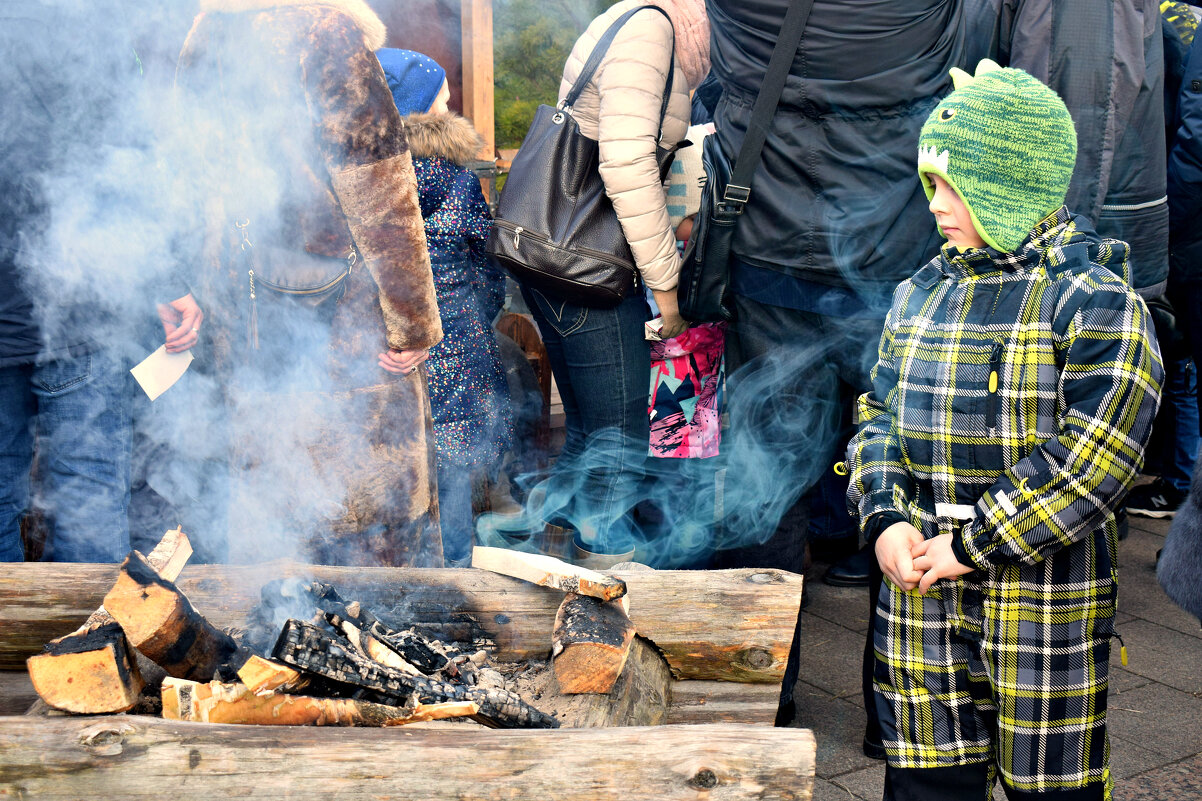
{"x": 590, "y": 644}
{"x": 90, "y": 674}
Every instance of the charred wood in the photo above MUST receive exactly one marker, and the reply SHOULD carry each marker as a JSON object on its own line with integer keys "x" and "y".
{"x": 310, "y": 649}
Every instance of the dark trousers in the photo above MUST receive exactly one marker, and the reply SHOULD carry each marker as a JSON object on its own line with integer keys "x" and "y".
{"x": 793, "y": 377}
{"x": 965, "y": 782}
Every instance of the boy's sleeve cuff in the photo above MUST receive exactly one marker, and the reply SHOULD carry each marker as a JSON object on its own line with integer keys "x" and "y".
{"x": 877, "y": 524}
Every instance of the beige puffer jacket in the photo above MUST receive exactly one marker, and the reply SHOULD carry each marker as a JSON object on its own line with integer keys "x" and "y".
{"x": 620, "y": 109}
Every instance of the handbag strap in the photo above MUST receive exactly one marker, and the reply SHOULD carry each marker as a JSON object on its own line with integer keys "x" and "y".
{"x": 594, "y": 61}
{"x": 738, "y": 188}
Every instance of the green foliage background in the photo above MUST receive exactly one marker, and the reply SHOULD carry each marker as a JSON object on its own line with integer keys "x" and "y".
{"x": 531, "y": 41}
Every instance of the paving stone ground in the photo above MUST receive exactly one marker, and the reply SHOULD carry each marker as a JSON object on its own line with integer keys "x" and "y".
{"x": 1155, "y": 719}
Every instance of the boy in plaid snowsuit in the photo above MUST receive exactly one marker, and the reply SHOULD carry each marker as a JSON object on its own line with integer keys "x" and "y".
{"x": 1015, "y": 390}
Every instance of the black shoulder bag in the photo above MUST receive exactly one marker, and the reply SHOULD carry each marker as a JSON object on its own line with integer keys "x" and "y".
{"x": 555, "y": 228}
{"x": 704, "y": 290}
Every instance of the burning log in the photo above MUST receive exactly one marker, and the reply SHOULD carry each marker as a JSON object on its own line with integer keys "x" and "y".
{"x": 216, "y": 702}
{"x": 92, "y": 670}
{"x": 589, "y": 644}
{"x": 548, "y": 571}
{"x": 310, "y": 649}
{"x": 261, "y": 675}
{"x": 160, "y": 622}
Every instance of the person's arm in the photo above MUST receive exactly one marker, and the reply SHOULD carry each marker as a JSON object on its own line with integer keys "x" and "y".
{"x": 879, "y": 484}
{"x": 630, "y": 85}
{"x": 488, "y": 281}
{"x": 367, "y": 156}
{"x": 1110, "y": 375}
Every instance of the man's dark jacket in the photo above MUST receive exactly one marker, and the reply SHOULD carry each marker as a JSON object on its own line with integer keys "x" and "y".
{"x": 1106, "y": 60}
{"x": 1185, "y": 173}
{"x": 836, "y": 199}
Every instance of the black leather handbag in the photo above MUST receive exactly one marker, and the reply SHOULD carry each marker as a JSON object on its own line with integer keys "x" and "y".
{"x": 555, "y": 229}
{"x": 703, "y": 293}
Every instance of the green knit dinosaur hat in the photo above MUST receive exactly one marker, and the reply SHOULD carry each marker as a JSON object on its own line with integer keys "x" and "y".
{"x": 1006, "y": 143}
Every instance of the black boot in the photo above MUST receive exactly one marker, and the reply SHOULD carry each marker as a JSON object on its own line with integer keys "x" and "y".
{"x": 852, "y": 571}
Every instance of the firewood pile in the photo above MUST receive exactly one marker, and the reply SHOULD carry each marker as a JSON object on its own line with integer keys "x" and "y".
{"x": 308, "y": 656}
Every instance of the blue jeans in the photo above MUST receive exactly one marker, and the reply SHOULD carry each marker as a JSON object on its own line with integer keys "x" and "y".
{"x": 602, "y": 367}
{"x": 78, "y": 408}
{"x": 1179, "y": 408}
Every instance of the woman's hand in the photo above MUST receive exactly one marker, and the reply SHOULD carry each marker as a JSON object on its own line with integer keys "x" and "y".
{"x": 403, "y": 362}
{"x": 936, "y": 559}
{"x": 893, "y": 554}
{"x": 674, "y": 324}
{"x": 181, "y": 320}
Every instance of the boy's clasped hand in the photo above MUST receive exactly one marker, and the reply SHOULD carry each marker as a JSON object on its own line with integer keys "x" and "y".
{"x": 910, "y": 562}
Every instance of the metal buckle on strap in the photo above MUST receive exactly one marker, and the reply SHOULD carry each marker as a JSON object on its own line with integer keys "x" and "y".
{"x": 736, "y": 194}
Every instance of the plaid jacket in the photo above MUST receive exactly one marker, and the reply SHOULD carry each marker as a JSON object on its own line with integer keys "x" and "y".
{"x": 1011, "y": 403}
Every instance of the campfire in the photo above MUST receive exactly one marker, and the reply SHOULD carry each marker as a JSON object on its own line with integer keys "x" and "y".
{"x": 697, "y": 655}
{"x": 338, "y": 665}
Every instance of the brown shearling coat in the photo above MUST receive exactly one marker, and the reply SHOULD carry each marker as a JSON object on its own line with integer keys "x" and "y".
{"x": 296, "y": 137}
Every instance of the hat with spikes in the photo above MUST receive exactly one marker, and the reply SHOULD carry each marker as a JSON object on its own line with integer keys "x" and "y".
{"x": 1006, "y": 143}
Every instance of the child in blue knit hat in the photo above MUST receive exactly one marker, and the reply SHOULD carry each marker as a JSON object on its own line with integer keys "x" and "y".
{"x": 1014, "y": 393}
{"x": 469, "y": 396}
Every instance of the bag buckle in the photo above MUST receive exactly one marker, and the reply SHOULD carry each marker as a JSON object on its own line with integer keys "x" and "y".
{"x": 735, "y": 197}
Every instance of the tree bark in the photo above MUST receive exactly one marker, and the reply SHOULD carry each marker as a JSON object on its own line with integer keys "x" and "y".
{"x": 123, "y": 757}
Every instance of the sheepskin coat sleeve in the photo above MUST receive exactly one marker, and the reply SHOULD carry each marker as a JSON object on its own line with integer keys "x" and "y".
{"x": 620, "y": 109}
{"x": 312, "y": 150}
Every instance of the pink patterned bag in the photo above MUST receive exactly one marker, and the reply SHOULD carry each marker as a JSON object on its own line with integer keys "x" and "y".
{"x": 687, "y": 381}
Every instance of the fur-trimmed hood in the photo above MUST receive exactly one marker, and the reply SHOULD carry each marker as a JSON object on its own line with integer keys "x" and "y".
{"x": 447, "y": 135}
{"x": 358, "y": 10}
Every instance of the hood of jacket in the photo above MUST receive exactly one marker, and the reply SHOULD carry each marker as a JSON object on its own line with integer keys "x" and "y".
{"x": 1060, "y": 243}
{"x": 358, "y": 10}
{"x": 444, "y": 135}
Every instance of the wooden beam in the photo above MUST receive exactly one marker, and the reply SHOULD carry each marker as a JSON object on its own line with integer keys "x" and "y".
{"x": 476, "y": 23}
{"x": 547, "y": 571}
{"x": 128, "y": 757}
{"x": 724, "y": 625}
{"x": 92, "y": 669}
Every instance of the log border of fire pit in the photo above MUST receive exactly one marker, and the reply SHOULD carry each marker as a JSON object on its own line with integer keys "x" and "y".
{"x": 720, "y": 625}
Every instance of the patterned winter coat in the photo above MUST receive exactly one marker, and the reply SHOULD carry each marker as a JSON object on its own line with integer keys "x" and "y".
{"x": 470, "y": 398}
{"x": 298, "y": 146}
{"x": 1011, "y": 403}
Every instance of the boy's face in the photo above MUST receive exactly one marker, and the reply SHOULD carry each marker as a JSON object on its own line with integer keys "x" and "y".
{"x": 952, "y": 217}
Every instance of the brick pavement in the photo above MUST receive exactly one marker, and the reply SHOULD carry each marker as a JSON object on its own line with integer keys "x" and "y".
{"x": 1155, "y": 701}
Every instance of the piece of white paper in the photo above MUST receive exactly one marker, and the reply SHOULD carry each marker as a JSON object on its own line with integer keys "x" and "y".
{"x": 160, "y": 370}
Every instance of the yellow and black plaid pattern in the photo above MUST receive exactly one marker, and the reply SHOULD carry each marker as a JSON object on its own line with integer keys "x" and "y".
{"x": 1019, "y": 389}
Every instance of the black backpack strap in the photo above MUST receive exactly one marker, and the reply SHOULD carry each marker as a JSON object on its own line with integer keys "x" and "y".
{"x": 594, "y": 60}
{"x": 738, "y": 188}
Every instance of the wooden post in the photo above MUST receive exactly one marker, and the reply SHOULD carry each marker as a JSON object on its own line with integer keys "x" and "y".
{"x": 476, "y": 23}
